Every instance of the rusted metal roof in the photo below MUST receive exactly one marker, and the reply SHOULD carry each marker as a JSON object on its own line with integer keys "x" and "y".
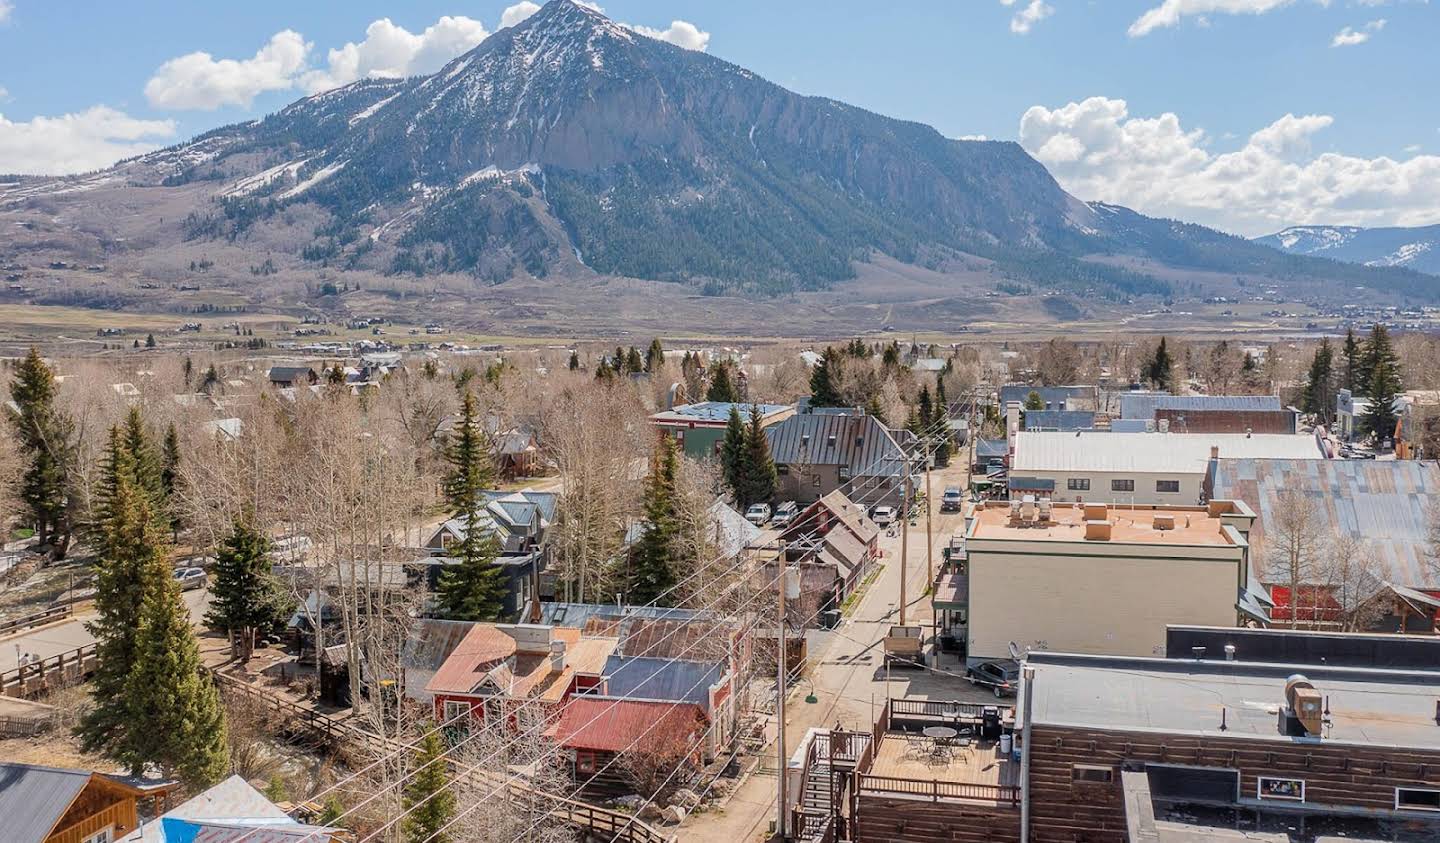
{"x": 479, "y": 652}
{"x": 613, "y": 725}
{"x": 1383, "y": 503}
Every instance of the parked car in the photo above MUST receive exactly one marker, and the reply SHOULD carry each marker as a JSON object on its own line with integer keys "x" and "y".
{"x": 883, "y": 516}
{"x": 1002, "y": 676}
{"x": 952, "y": 500}
{"x": 785, "y": 513}
{"x": 758, "y": 514}
{"x": 904, "y": 645}
{"x": 191, "y": 578}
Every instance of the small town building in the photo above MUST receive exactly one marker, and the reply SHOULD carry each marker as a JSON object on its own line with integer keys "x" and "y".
{"x": 595, "y": 731}
{"x": 699, "y": 428}
{"x": 54, "y": 805}
{"x": 290, "y": 377}
{"x": 1095, "y": 579}
{"x": 1078, "y": 397}
{"x": 1136, "y": 468}
{"x": 230, "y": 812}
{"x": 852, "y": 452}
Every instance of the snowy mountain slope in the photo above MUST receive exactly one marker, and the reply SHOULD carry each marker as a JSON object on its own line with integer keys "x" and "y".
{"x": 1411, "y": 248}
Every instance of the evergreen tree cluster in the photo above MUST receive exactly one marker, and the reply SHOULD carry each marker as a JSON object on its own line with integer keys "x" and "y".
{"x": 46, "y": 436}
{"x": 745, "y": 459}
{"x": 653, "y": 560}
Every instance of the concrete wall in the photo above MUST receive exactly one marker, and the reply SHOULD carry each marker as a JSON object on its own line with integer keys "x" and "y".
{"x": 1145, "y": 495}
{"x": 1094, "y": 597}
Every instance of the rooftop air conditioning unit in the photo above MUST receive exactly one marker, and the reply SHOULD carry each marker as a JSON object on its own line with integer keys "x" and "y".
{"x": 1304, "y": 709}
{"x": 1097, "y": 531}
{"x": 1096, "y": 512}
{"x": 1164, "y": 522}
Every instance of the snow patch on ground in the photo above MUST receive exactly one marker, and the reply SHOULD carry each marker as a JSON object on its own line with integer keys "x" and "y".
{"x": 1403, "y": 255}
{"x": 372, "y": 109}
{"x": 250, "y": 184}
{"x": 493, "y": 172}
{"x": 315, "y": 178}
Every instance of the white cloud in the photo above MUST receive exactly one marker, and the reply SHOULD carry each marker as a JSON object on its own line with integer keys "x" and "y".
{"x": 393, "y": 51}
{"x": 518, "y": 12}
{"x": 1171, "y": 12}
{"x": 6, "y": 8}
{"x": 681, "y": 34}
{"x": 1349, "y": 36}
{"x": 1026, "y": 18}
{"x": 1412, "y": 148}
{"x": 199, "y": 81}
{"x": 1153, "y": 164}
{"x": 76, "y": 143}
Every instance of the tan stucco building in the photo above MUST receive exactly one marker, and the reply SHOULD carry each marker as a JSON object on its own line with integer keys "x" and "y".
{"x": 1099, "y": 579}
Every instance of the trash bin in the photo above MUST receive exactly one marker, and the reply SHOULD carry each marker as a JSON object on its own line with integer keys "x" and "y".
{"x": 1007, "y": 743}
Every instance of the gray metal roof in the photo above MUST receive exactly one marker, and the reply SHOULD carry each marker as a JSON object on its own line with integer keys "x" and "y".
{"x": 672, "y": 680}
{"x": 1142, "y": 405}
{"x": 1383, "y": 503}
{"x": 991, "y": 448}
{"x": 1184, "y": 696}
{"x": 231, "y": 801}
{"x": 716, "y": 411}
{"x": 33, "y": 799}
{"x": 1059, "y": 420}
{"x": 859, "y": 442}
{"x": 432, "y": 641}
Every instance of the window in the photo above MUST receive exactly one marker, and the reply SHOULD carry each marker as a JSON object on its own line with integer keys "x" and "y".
{"x": 1092, "y": 774}
{"x": 1204, "y": 785}
{"x": 584, "y": 761}
{"x": 1275, "y": 788}
{"x": 105, "y": 835}
{"x": 782, "y": 470}
{"x": 455, "y": 709}
{"x": 1417, "y": 799}
{"x": 1170, "y": 486}
{"x": 1122, "y": 485}
{"x": 1078, "y": 484}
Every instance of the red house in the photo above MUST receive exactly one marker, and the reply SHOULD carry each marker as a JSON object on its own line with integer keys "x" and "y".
{"x": 498, "y": 668}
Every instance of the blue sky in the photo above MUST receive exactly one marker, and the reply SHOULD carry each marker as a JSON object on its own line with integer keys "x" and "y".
{"x": 1177, "y": 107}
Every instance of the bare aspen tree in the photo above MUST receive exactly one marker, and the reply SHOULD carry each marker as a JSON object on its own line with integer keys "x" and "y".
{"x": 1295, "y": 547}
{"x": 1356, "y": 578}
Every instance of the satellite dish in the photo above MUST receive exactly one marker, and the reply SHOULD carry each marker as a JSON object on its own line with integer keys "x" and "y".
{"x": 1015, "y": 651}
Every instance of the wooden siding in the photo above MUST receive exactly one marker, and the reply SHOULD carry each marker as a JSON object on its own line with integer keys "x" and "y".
{"x": 1344, "y": 775}
{"x": 121, "y": 815}
{"x": 897, "y": 819}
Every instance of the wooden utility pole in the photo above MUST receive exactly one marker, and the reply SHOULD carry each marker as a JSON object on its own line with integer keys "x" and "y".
{"x": 781, "y": 766}
{"x": 904, "y": 538}
{"x": 929, "y": 533}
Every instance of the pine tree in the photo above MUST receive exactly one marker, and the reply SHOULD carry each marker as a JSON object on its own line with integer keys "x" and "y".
{"x": 336, "y": 376}
{"x": 1034, "y": 401}
{"x": 170, "y": 697}
{"x": 1351, "y": 354}
{"x": 732, "y": 457}
{"x": 170, "y": 461}
{"x": 927, "y": 409}
{"x": 633, "y": 363}
{"x": 760, "y": 475}
{"x": 890, "y": 359}
{"x": 822, "y": 386}
{"x": 149, "y": 471}
{"x": 941, "y": 420}
{"x": 188, "y": 370}
{"x": 428, "y": 802}
{"x": 652, "y": 563}
{"x": 211, "y": 380}
{"x": 1379, "y": 418}
{"x": 149, "y": 340}
{"x": 574, "y": 361}
{"x": 46, "y": 438}
{"x": 912, "y": 423}
{"x": 1160, "y": 371}
{"x": 1375, "y": 350}
{"x": 603, "y": 372}
{"x": 245, "y": 597}
{"x": 722, "y": 386}
{"x": 655, "y": 356}
{"x": 873, "y": 408}
{"x": 1319, "y": 393}
{"x": 473, "y": 589}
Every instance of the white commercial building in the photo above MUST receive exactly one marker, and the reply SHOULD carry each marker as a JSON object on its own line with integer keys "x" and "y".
{"x": 1137, "y": 468}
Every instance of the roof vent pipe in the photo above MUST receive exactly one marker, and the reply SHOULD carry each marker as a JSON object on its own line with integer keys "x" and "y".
{"x": 1230, "y": 657}
{"x": 1198, "y": 653}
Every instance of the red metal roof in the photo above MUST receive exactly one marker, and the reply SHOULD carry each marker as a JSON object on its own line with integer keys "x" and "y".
{"x": 611, "y": 725}
{"x": 482, "y": 648}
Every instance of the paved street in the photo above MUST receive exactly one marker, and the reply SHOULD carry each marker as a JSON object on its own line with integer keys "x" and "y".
{"x": 849, "y": 676}
{"x": 58, "y": 638}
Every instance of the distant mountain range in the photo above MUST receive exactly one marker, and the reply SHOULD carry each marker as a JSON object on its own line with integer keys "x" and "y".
{"x": 569, "y": 146}
{"x": 1412, "y": 248}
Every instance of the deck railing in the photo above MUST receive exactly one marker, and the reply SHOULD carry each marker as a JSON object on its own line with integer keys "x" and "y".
{"x": 36, "y": 619}
{"x": 57, "y": 671}
{"x": 938, "y": 790}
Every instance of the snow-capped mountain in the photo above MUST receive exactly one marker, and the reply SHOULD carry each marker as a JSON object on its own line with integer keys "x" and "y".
{"x": 570, "y": 145}
{"x": 1412, "y": 248}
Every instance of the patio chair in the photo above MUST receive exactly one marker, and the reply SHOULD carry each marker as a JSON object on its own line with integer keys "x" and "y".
{"x": 917, "y": 746}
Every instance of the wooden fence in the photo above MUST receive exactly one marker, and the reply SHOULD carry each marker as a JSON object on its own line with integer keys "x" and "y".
{"x": 937, "y": 790}
{"x": 45, "y": 675}
{"x": 36, "y": 619}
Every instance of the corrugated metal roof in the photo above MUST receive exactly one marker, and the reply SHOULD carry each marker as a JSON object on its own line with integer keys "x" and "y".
{"x": 1059, "y": 420}
{"x": 673, "y": 680}
{"x": 715, "y": 411}
{"x": 432, "y": 641}
{"x": 991, "y": 448}
{"x": 481, "y": 648}
{"x": 1176, "y": 453}
{"x": 859, "y": 442}
{"x": 33, "y": 799}
{"x": 608, "y": 725}
{"x": 230, "y": 800}
{"x": 1383, "y": 503}
{"x": 1142, "y": 405}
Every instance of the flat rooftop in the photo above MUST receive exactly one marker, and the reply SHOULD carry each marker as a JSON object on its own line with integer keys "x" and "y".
{"x": 1149, "y": 453}
{"x": 1174, "y": 696}
{"x": 1128, "y": 525}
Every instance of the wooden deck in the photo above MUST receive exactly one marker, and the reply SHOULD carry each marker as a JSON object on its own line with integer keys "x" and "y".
{"x": 978, "y": 773}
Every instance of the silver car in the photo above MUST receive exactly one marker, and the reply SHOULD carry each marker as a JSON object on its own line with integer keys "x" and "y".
{"x": 191, "y": 578}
